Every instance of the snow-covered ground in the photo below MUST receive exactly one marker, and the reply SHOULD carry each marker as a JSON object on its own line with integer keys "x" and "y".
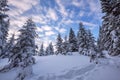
{"x": 73, "y": 67}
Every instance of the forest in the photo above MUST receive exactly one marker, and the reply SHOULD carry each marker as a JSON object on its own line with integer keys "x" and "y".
{"x": 23, "y": 54}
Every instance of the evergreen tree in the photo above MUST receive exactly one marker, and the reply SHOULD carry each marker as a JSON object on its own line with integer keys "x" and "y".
{"x": 50, "y": 49}
{"x": 65, "y": 46}
{"x": 25, "y": 48}
{"x": 72, "y": 41}
{"x": 100, "y": 44}
{"x": 4, "y": 24}
{"x": 41, "y": 52}
{"x": 26, "y": 42}
{"x": 9, "y": 46}
{"x": 82, "y": 40}
{"x": 80, "y": 33}
{"x": 92, "y": 48}
{"x": 110, "y": 36}
{"x": 47, "y": 51}
{"x": 59, "y": 45}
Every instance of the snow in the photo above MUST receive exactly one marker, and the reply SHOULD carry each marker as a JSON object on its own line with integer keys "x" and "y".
{"x": 11, "y": 75}
{"x": 3, "y": 62}
{"x": 56, "y": 64}
{"x": 70, "y": 67}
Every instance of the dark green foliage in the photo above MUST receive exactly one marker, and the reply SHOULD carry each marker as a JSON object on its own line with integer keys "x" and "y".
{"x": 72, "y": 41}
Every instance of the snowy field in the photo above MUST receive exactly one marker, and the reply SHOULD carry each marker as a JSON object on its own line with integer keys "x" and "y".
{"x": 72, "y": 67}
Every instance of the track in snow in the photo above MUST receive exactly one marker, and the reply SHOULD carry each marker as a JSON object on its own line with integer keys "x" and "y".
{"x": 73, "y": 74}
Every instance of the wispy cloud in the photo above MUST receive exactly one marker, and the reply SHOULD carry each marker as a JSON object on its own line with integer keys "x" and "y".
{"x": 61, "y": 9}
{"x": 22, "y": 5}
{"x": 39, "y": 29}
{"x": 88, "y": 24}
{"x": 53, "y": 18}
{"x": 49, "y": 33}
{"x": 78, "y": 3}
{"x": 52, "y": 14}
{"x": 46, "y": 28}
{"x": 60, "y": 30}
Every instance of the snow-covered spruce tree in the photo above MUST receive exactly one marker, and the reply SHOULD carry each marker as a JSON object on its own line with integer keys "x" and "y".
{"x": 50, "y": 49}
{"x": 79, "y": 34}
{"x": 82, "y": 40}
{"x": 115, "y": 24}
{"x": 26, "y": 44}
{"x": 4, "y": 25}
{"x": 9, "y": 46}
{"x": 92, "y": 48}
{"x": 47, "y": 51}
{"x": 24, "y": 49}
{"x": 41, "y": 52}
{"x": 72, "y": 41}
{"x": 65, "y": 46}
{"x": 105, "y": 29}
{"x": 111, "y": 26}
{"x": 59, "y": 43}
{"x": 100, "y": 43}
{"x": 26, "y": 41}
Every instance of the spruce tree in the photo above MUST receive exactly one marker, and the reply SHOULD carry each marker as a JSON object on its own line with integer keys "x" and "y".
{"x": 65, "y": 46}
{"x": 41, "y": 52}
{"x": 111, "y": 26}
{"x": 115, "y": 31}
{"x": 26, "y": 42}
{"x": 9, "y": 46}
{"x": 92, "y": 48}
{"x": 72, "y": 41}
{"x": 4, "y": 24}
{"x": 21, "y": 54}
{"x": 47, "y": 51}
{"x": 82, "y": 40}
{"x": 100, "y": 43}
{"x": 51, "y": 49}
{"x": 59, "y": 45}
{"x": 25, "y": 49}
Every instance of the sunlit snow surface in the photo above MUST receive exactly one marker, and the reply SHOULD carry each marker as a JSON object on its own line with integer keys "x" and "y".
{"x": 70, "y": 67}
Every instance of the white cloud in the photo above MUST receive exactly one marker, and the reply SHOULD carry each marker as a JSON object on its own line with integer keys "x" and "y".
{"x": 52, "y": 14}
{"x": 38, "y": 19}
{"x": 39, "y": 29}
{"x": 49, "y": 33}
{"x": 95, "y": 9}
{"x": 88, "y": 24}
{"x": 46, "y": 28}
{"x": 94, "y": 5}
{"x": 78, "y": 3}
{"x": 69, "y": 21}
{"x": 22, "y": 5}
{"x": 62, "y": 8}
{"x": 15, "y": 22}
{"x": 60, "y": 30}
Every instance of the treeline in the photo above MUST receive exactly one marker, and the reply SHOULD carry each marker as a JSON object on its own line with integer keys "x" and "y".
{"x": 82, "y": 42}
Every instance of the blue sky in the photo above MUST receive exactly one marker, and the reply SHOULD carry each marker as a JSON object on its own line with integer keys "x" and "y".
{"x": 55, "y": 16}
